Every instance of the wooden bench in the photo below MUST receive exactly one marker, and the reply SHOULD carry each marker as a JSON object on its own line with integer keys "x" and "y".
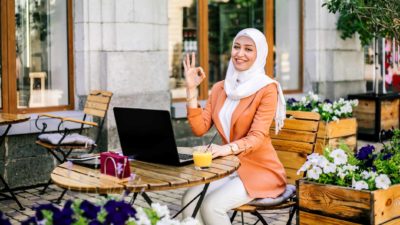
{"x": 293, "y": 144}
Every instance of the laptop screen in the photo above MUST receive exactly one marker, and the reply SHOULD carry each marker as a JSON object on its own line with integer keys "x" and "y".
{"x": 146, "y": 135}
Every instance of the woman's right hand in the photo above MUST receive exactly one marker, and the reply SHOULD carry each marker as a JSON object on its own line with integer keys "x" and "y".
{"x": 193, "y": 75}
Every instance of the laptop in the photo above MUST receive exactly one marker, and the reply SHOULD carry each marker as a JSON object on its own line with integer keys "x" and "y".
{"x": 147, "y": 135}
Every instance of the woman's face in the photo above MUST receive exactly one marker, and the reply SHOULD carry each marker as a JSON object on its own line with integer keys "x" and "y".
{"x": 244, "y": 53}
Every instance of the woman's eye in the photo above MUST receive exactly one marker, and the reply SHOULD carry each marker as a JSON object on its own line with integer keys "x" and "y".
{"x": 249, "y": 49}
{"x": 236, "y": 47}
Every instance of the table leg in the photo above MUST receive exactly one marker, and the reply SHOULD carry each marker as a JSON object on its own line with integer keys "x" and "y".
{"x": 6, "y": 187}
{"x": 147, "y": 198}
{"x": 203, "y": 194}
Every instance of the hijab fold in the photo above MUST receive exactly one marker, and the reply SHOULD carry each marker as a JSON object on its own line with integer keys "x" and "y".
{"x": 241, "y": 84}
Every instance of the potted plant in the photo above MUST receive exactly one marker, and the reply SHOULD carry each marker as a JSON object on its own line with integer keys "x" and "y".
{"x": 351, "y": 188}
{"x": 337, "y": 122}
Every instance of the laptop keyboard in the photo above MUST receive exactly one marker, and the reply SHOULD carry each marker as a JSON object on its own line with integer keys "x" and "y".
{"x": 185, "y": 156}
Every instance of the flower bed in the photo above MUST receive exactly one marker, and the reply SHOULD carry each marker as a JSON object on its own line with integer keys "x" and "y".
{"x": 347, "y": 188}
{"x": 337, "y": 122}
{"x": 111, "y": 211}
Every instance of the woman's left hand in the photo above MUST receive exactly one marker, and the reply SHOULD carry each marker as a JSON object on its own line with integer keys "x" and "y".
{"x": 220, "y": 150}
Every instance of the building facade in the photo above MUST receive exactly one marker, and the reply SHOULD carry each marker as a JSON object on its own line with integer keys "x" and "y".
{"x": 134, "y": 48}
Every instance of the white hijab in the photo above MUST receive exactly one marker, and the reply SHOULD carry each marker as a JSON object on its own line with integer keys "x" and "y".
{"x": 241, "y": 84}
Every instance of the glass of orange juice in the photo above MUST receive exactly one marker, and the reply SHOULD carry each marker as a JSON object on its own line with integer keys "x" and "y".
{"x": 202, "y": 159}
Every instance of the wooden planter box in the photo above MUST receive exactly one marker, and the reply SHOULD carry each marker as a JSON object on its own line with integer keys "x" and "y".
{"x": 328, "y": 204}
{"x": 376, "y": 112}
{"x": 331, "y": 133}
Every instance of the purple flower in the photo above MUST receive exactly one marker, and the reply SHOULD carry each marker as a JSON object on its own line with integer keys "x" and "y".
{"x": 365, "y": 152}
{"x": 328, "y": 101}
{"x": 89, "y": 210}
{"x": 65, "y": 217}
{"x": 4, "y": 220}
{"x": 290, "y": 101}
{"x": 95, "y": 222}
{"x": 387, "y": 156}
{"x": 50, "y": 207}
{"x": 118, "y": 212}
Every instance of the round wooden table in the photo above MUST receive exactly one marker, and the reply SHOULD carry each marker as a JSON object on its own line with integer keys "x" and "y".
{"x": 148, "y": 177}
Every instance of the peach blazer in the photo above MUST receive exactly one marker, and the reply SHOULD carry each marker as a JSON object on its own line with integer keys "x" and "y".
{"x": 261, "y": 172}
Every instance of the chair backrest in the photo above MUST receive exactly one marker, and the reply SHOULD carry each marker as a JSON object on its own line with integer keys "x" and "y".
{"x": 97, "y": 103}
{"x": 295, "y": 141}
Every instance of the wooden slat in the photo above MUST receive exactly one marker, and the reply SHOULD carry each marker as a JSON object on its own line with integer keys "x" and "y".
{"x": 172, "y": 180}
{"x": 98, "y": 99}
{"x": 293, "y": 146}
{"x": 314, "y": 219}
{"x": 386, "y": 205}
{"x": 292, "y": 135}
{"x": 292, "y": 160}
{"x": 100, "y": 92}
{"x": 96, "y": 105}
{"x": 365, "y": 106}
{"x": 184, "y": 169}
{"x": 304, "y": 115}
{"x": 338, "y": 202}
{"x": 80, "y": 121}
{"x": 296, "y": 124}
{"x": 94, "y": 112}
{"x": 340, "y": 128}
{"x": 72, "y": 184}
{"x": 350, "y": 141}
{"x": 50, "y": 146}
{"x": 291, "y": 175}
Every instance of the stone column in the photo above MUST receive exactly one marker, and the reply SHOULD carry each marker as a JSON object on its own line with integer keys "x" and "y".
{"x": 334, "y": 67}
{"x": 121, "y": 46}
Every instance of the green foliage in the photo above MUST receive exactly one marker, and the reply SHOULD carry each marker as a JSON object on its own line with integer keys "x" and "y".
{"x": 368, "y": 18}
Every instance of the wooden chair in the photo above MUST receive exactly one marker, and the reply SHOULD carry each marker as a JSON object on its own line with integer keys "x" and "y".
{"x": 293, "y": 144}
{"x": 97, "y": 104}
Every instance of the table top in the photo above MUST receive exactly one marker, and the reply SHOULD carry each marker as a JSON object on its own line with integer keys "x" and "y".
{"x": 148, "y": 176}
{"x": 7, "y": 118}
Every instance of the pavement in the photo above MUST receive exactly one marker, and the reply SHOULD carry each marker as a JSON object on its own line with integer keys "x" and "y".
{"x": 31, "y": 197}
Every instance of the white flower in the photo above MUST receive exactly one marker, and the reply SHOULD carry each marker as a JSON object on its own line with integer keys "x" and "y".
{"x": 142, "y": 218}
{"x": 366, "y": 175}
{"x": 327, "y": 107}
{"x": 314, "y": 173}
{"x": 303, "y": 99}
{"x": 350, "y": 168}
{"x": 335, "y": 118}
{"x": 354, "y": 102}
{"x": 315, "y": 110}
{"x": 168, "y": 221}
{"x": 339, "y": 156}
{"x": 359, "y": 185}
{"x": 314, "y": 97}
{"x": 342, "y": 173}
{"x": 306, "y": 166}
{"x": 322, "y": 162}
{"x": 190, "y": 221}
{"x": 161, "y": 210}
{"x": 382, "y": 181}
{"x": 329, "y": 168}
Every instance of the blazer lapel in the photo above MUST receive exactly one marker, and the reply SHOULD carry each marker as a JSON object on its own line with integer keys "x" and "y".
{"x": 221, "y": 97}
{"x": 243, "y": 104}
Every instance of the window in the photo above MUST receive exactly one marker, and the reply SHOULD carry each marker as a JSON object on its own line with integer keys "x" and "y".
{"x": 40, "y": 77}
{"x": 208, "y": 27}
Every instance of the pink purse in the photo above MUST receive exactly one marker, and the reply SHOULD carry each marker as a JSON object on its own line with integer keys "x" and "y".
{"x": 113, "y": 164}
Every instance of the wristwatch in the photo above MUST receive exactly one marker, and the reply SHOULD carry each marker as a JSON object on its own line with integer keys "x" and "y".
{"x": 234, "y": 148}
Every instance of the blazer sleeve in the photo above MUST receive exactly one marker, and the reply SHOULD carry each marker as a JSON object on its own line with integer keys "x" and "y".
{"x": 262, "y": 120}
{"x": 200, "y": 119}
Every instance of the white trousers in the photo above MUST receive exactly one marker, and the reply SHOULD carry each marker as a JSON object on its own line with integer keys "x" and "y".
{"x": 222, "y": 195}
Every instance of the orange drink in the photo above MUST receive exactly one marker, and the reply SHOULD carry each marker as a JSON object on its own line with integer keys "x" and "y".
{"x": 202, "y": 160}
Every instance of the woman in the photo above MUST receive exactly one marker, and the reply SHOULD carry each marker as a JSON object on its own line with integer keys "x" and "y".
{"x": 242, "y": 108}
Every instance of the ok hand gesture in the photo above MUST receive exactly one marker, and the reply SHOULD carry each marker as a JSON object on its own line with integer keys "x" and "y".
{"x": 193, "y": 75}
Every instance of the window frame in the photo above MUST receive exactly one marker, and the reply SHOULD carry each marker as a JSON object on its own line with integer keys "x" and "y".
{"x": 269, "y": 22}
{"x": 8, "y": 68}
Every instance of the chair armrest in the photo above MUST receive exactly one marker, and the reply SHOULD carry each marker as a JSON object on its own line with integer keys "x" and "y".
{"x": 50, "y": 116}
{"x": 80, "y": 121}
